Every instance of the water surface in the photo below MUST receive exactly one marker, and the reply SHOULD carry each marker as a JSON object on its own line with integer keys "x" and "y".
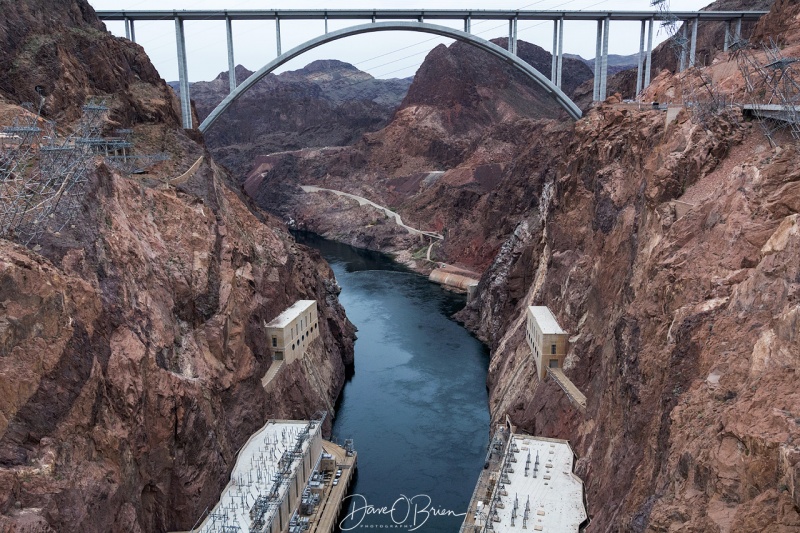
{"x": 416, "y": 405}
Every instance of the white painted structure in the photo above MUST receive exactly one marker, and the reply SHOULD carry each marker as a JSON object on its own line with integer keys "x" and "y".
{"x": 290, "y": 333}
{"x": 548, "y": 342}
{"x": 271, "y": 472}
{"x": 551, "y": 492}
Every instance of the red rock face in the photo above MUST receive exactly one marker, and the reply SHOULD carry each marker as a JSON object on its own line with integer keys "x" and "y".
{"x": 64, "y": 49}
{"x": 326, "y": 103}
{"x": 467, "y": 115}
{"x": 132, "y": 344}
{"x": 132, "y": 367}
{"x": 684, "y": 326}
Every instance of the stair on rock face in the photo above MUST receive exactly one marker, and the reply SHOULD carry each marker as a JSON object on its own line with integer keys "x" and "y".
{"x": 575, "y": 396}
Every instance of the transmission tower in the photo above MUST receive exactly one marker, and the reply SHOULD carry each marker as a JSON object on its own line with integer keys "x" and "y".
{"x": 43, "y": 174}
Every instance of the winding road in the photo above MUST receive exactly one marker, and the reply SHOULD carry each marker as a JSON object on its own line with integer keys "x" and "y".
{"x": 363, "y": 201}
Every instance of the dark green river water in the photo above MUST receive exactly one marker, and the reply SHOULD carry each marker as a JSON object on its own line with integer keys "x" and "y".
{"x": 416, "y": 405}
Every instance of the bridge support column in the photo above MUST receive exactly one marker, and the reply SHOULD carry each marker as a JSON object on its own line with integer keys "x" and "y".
{"x": 130, "y": 33}
{"x": 649, "y": 65}
{"x": 512, "y": 36}
{"x": 684, "y": 43}
{"x": 604, "y": 60}
{"x": 640, "y": 65}
{"x": 278, "y": 34}
{"x": 515, "y": 36}
{"x": 693, "y": 49}
{"x": 468, "y": 24}
{"x": 598, "y": 53}
{"x": 554, "y": 64}
{"x": 231, "y": 62}
{"x": 559, "y": 68}
{"x": 183, "y": 75}
{"x": 739, "y": 29}
{"x": 326, "y": 23}
{"x": 727, "y": 43}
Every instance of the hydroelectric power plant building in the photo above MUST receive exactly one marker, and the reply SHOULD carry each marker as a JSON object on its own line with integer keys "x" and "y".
{"x": 549, "y": 344}
{"x": 287, "y": 479}
{"x": 527, "y": 485}
{"x": 289, "y": 336}
{"x": 292, "y": 331}
{"x": 547, "y": 340}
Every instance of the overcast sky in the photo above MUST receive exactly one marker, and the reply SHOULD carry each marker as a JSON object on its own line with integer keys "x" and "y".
{"x": 384, "y": 55}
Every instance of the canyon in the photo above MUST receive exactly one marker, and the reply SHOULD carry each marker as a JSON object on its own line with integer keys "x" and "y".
{"x": 133, "y": 345}
{"x": 668, "y": 249}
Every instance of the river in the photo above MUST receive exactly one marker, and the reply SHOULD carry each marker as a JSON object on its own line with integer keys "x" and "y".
{"x": 416, "y": 405}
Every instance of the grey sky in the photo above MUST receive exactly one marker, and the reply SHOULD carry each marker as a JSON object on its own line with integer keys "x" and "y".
{"x": 384, "y": 55}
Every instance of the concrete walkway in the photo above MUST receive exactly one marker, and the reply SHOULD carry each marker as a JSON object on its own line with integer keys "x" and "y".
{"x": 575, "y": 396}
{"x": 363, "y": 201}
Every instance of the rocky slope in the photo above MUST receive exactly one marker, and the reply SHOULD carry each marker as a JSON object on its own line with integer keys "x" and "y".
{"x": 67, "y": 52}
{"x": 326, "y": 103}
{"x": 684, "y": 326}
{"x": 669, "y": 252}
{"x": 132, "y": 342}
{"x": 438, "y": 163}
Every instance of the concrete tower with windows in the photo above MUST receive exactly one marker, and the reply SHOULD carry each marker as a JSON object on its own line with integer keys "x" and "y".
{"x": 291, "y": 332}
{"x": 547, "y": 340}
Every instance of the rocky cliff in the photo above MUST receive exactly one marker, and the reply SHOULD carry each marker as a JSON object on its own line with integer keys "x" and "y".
{"x": 438, "y": 162}
{"x": 326, "y": 103}
{"x": 668, "y": 251}
{"x": 132, "y": 341}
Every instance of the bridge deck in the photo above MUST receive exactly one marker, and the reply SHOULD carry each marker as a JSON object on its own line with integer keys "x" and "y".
{"x": 774, "y": 111}
{"x": 416, "y": 14}
{"x": 575, "y": 396}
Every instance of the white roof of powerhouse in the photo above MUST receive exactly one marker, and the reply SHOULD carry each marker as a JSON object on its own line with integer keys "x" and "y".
{"x": 254, "y": 473}
{"x": 283, "y": 319}
{"x": 555, "y": 494}
{"x": 547, "y": 322}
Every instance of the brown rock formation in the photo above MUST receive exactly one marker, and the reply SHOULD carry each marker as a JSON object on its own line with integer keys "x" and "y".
{"x": 326, "y": 103}
{"x": 64, "y": 49}
{"x": 684, "y": 327}
{"x": 670, "y": 255}
{"x": 467, "y": 115}
{"x": 136, "y": 361}
{"x": 132, "y": 342}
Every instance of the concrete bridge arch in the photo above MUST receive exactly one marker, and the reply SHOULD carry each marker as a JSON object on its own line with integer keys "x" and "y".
{"x": 537, "y": 77}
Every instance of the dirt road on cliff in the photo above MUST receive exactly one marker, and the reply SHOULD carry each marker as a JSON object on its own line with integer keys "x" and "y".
{"x": 363, "y": 201}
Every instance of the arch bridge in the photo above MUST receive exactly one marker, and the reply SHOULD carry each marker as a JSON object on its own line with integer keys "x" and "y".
{"x": 414, "y": 20}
